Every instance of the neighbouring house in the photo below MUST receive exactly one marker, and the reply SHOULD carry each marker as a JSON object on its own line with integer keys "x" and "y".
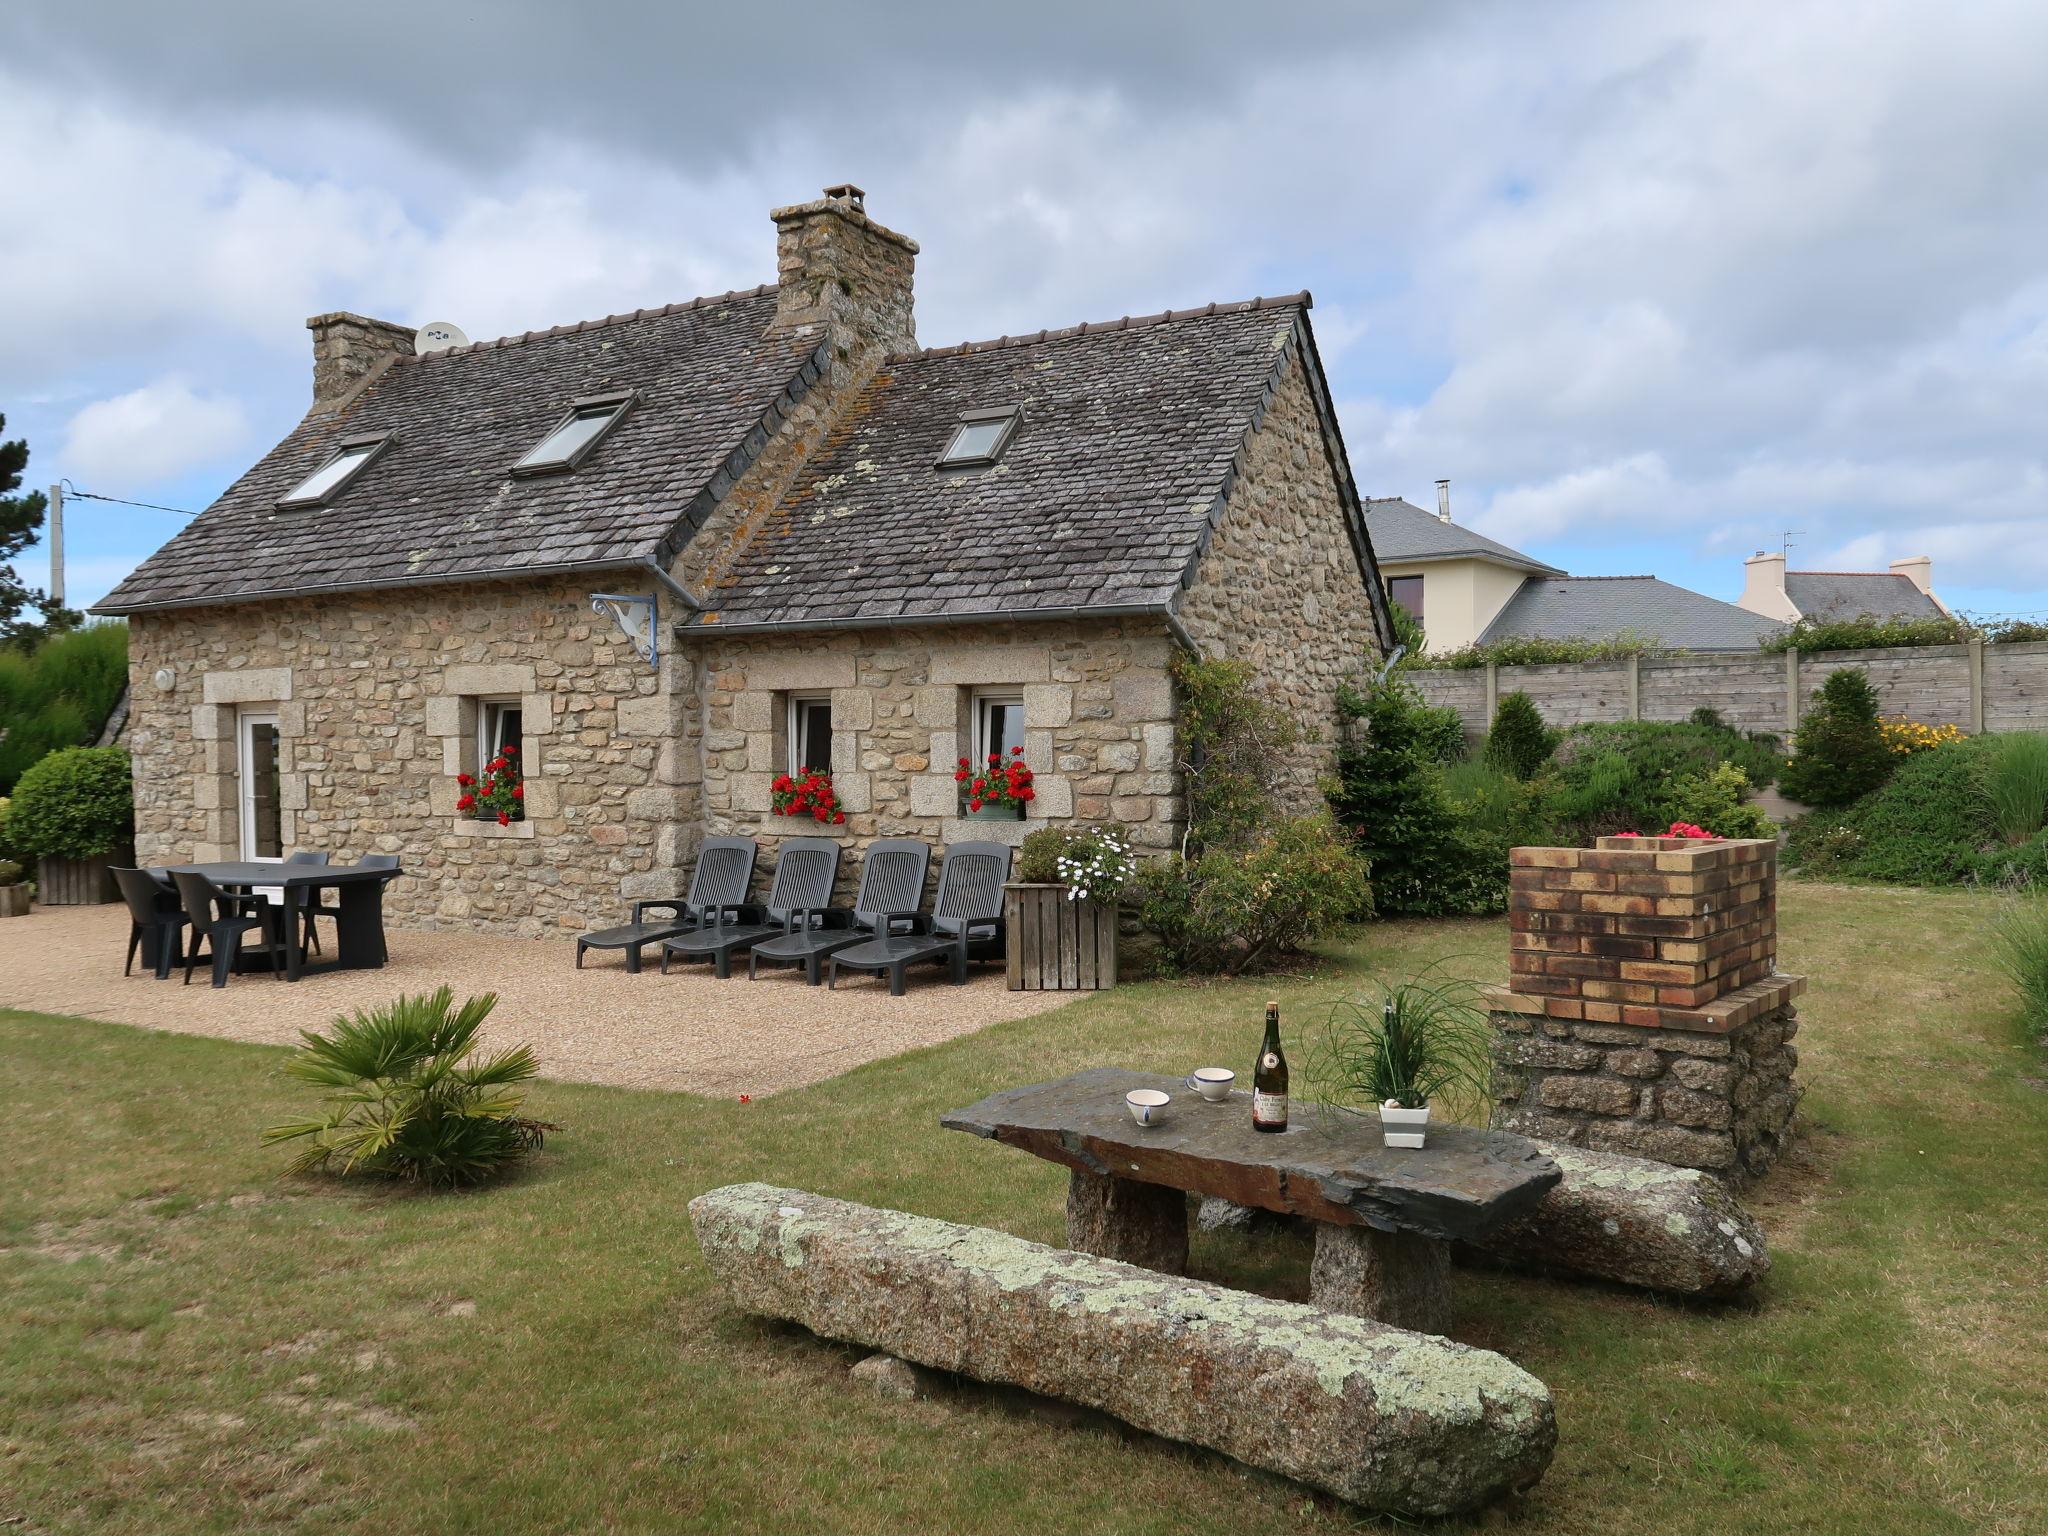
{"x": 1906, "y": 591}
{"x": 1468, "y": 589}
{"x": 673, "y": 554}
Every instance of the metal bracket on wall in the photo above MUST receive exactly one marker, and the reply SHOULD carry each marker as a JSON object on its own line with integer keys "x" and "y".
{"x": 636, "y": 615}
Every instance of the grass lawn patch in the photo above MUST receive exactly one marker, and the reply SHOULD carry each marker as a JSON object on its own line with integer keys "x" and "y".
{"x": 192, "y": 1345}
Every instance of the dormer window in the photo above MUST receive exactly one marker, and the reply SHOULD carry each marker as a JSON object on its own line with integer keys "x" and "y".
{"x": 981, "y": 437}
{"x": 574, "y": 435}
{"x": 329, "y": 480}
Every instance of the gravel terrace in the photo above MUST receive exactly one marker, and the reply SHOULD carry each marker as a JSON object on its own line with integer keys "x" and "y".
{"x": 686, "y": 1031}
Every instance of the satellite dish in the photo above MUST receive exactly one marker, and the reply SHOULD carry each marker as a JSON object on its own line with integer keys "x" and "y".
{"x": 438, "y": 336}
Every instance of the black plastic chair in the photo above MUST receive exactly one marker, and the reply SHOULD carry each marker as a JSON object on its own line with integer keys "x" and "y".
{"x": 724, "y": 873}
{"x": 966, "y": 921}
{"x": 156, "y": 922}
{"x": 221, "y": 920}
{"x": 891, "y": 880}
{"x": 307, "y": 898}
{"x": 804, "y": 876}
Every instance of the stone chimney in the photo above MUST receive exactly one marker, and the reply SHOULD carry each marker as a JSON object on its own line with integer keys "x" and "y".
{"x": 1443, "y": 501}
{"x": 838, "y": 269}
{"x": 1919, "y": 570}
{"x": 1763, "y": 588}
{"x": 349, "y": 349}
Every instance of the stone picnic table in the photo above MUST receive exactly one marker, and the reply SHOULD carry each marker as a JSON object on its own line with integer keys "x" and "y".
{"x": 1385, "y": 1216}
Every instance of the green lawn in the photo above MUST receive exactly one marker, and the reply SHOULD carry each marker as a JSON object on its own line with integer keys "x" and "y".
{"x": 189, "y": 1345}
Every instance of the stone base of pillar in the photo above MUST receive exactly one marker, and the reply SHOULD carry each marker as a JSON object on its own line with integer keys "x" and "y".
{"x": 1398, "y": 1278}
{"x": 1143, "y": 1224}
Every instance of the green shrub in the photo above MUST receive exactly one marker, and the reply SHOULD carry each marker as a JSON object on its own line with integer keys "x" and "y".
{"x": 2016, "y": 780}
{"x": 1642, "y": 775}
{"x": 1839, "y": 751}
{"x": 58, "y": 694}
{"x": 74, "y": 804}
{"x": 1234, "y": 743}
{"x": 1440, "y": 733}
{"x": 1929, "y": 825}
{"x": 1719, "y": 801}
{"x": 1240, "y": 909}
{"x": 1426, "y": 860}
{"x": 1707, "y": 717}
{"x": 1519, "y": 743}
{"x": 2015, "y": 631}
{"x": 1529, "y": 651}
{"x": 1867, "y": 633}
{"x": 1414, "y": 1043}
{"x": 2024, "y": 867}
{"x": 10, "y": 872}
{"x": 2020, "y": 940}
{"x": 409, "y": 1097}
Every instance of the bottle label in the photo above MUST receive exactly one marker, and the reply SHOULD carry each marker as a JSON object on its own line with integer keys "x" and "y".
{"x": 1269, "y": 1108}
{"x": 1269, "y": 1061}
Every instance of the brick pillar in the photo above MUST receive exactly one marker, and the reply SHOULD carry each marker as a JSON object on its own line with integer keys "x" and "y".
{"x": 1645, "y": 1013}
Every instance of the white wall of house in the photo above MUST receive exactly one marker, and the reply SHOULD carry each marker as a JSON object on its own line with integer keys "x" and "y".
{"x": 1460, "y": 597}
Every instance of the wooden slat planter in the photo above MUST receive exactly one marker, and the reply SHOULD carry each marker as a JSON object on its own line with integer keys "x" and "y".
{"x": 13, "y": 901}
{"x": 1057, "y": 945}
{"x": 79, "y": 882}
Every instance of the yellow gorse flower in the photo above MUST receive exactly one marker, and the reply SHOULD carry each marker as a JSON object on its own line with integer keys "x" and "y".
{"x": 1906, "y": 737}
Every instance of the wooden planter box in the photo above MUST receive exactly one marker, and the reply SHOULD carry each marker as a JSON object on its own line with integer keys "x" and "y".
{"x": 79, "y": 882}
{"x": 1057, "y": 945}
{"x": 13, "y": 901}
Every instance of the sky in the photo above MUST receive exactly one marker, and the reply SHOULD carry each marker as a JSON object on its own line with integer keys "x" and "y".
{"x": 1654, "y": 286}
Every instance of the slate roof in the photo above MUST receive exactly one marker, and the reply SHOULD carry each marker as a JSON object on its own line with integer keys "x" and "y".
{"x": 1852, "y": 594}
{"x": 1103, "y": 497}
{"x": 1402, "y": 533}
{"x": 1599, "y": 607}
{"x": 441, "y": 505}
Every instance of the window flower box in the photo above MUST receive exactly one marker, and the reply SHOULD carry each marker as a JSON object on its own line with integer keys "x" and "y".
{"x": 997, "y": 791}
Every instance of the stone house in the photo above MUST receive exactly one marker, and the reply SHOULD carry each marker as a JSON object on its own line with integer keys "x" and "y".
{"x": 674, "y": 553}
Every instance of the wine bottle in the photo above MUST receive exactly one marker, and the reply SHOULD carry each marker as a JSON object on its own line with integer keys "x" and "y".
{"x": 1269, "y": 1078}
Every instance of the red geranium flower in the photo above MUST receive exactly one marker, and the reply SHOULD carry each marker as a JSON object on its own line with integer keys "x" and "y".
{"x": 466, "y": 803}
{"x": 974, "y": 805}
{"x": 508, "y": 751}
{"x": 839, "y": 816}
{"x": 464, "y": 780}
{"x": 518, "y": 791}
{"x": 963, "y": 762}
{"x": 1016, "y": 751}
{"x": 960, "y": 777}
{"x": 504, "y": 820}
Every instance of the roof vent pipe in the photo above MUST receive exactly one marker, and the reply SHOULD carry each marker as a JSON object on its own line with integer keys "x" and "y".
{"x": 1443, "y": 501}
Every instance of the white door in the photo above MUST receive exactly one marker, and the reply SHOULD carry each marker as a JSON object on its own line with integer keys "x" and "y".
{"x": 262, "y": 810}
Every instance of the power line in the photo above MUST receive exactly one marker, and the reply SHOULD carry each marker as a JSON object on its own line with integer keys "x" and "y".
{"x": 71, "y": 490}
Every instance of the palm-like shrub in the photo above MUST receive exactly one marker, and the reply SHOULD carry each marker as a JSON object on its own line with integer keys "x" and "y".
{"x": 2020, "y": 939}
{"x": 2016, "y": 778}
{"x": 410, "y": 1098}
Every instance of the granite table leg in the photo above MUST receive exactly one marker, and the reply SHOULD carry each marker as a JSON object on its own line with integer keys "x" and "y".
{"x": 1399, "y": 1278}
{"x": 1143, "y": 1224}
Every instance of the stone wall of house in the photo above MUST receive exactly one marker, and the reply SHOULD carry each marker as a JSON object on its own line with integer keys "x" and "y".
{"x": 1280, "y": 586}
{"x": 1098, "y": 702}
{"x": 377, "y": 698}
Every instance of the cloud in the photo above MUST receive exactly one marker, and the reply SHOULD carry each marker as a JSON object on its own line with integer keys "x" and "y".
{"x": 151, "y": 434}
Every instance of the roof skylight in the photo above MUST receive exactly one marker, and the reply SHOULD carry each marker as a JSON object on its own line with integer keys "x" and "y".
{"x": 574, "y": 435}
{"x": 981, "y": 436}
{"x": 326, "y": 482}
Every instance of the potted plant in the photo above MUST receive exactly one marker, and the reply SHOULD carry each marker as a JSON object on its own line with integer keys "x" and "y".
{"x": 997, "y": 791}
{"x": 1405, "y": 1050}
{"x": 809, "y": 793}
{"x": 500, "y": 795}
{"x": 13, "y": 893}
{"x": 1062, "y": 909}
{"x": 74, "y": 812}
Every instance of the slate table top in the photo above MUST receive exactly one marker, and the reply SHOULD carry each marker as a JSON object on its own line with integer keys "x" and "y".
{"x": 1327, "y": 1166}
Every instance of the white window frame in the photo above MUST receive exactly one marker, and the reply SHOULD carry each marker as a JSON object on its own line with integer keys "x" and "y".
{"x": 983, "y": 699}
{"x": 793, "y": 730}
{"x": 246, "y": 722}
{"x": 490, "y": 719}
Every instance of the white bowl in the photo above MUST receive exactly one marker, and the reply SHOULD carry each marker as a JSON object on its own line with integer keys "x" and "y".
{"x": 1147, "y": 1105}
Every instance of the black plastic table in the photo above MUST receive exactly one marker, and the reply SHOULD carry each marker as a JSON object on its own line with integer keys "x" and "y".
{"x": 359, "y": 921}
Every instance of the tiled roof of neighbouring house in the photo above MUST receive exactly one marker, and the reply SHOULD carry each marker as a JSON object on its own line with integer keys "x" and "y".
{"x": 1103, "y": 496}
{"x": 440, "y": 504}
{"x": 1852, "y": 594}
{"x": 1601, "y": 607}
{"x": 1402, "y": 531}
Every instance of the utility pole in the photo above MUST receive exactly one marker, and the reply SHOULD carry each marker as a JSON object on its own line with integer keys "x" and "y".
{"x": 57, "y": 543}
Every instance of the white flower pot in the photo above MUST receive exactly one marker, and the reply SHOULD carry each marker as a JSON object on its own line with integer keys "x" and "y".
{"x": 1403, "y": 1127}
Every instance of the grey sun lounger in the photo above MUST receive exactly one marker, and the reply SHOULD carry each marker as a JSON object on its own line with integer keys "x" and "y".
{"x": 891, "y": 880}
{"x": 725, "y": 869}
{"x": 803, "y": 882}
{"x": 966, "y": 921}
